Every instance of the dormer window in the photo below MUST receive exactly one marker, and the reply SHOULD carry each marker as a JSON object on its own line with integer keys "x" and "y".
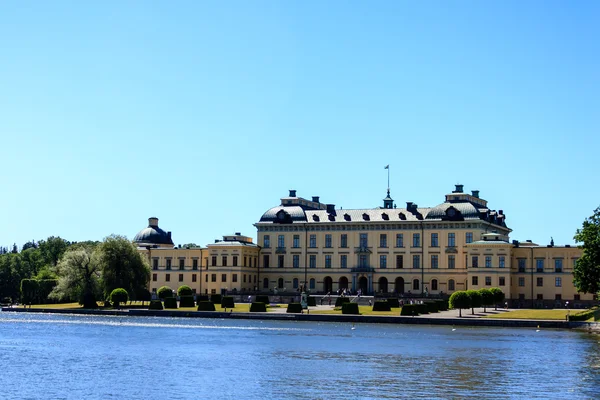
{"x": 402, "y": 216}
{"x": 331, "y": 217}
{"x": 316, "y": 218}
{"x": 385, "y": 217}
{"x": 366, "y": 217}
{"x": 347, "y": 217}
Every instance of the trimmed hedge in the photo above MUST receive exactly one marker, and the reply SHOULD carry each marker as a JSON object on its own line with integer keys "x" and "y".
{"x": 423, "y": 309}
{"x": 432, "y": 306}
{"x": 206, "y": 306}
{"x": 185, "y": 290}
{"x": 393, "y": 302}
{"x": 186, "y": 301}
{"x": 409, "y": 310}
{"x": 583, "y": 315}
{"x": 119, "y": 295}
{"x": 227, "y": 302}
{"x": 216, "y": 298}
{"x": 164, "y": 292}
{"x": 295, "y": 308}
{"x": 258, "y": 307}
{"x": 262, "y": 298}
{"x": 170, "y": 302}
{"x": 350, "y": 308}
{"x": 442, "y": 305}
{"x": 155, "y": 305}
{"x": 381, "y": 306}
{"x": 201, "y": 297}
{"x": 341, "y": 300}
{"x": 311, "y": 301}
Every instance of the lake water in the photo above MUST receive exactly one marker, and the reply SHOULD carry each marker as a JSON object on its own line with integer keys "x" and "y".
{"x": 80, "y": 357}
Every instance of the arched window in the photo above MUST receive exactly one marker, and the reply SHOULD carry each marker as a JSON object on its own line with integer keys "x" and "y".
{"x": 451, "y": 284}
{"x": 434, "y": 284}
{"x": 280, "y": 283}
{"x": 266, "y": 283}
{"x": 312, "y": 283}
{"x": 416, "y": 284}
{"x": 295, "y": 283}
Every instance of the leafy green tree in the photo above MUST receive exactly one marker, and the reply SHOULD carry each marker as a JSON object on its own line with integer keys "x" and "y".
{"x": 587, "y": 269}
{"x": 10, "y": 276}
{"x": 185, "y": 290}
{"x": 475, "y": 299}
{"x": 498, "y": 296}
{"x": 122, "y": 265}
{"x": 460, "y": 300}
{"x": 78, "y": 277}
{"x": 52, "y": 249}
{"x": 487, "y": 298}
{"x": 164, "y": 292}
{"x": 29, "y": 245}
{"x": 119, "y": 295}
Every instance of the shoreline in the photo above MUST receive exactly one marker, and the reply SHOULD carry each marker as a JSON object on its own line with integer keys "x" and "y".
{"x": 371, "y": 319}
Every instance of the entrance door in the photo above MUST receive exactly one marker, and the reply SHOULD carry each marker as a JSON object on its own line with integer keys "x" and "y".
{"x": 399, "y": 286}
{"x": 343, "y": 283}
{"x": 363, "y": 285}
{"x": 383, "y": 284}
{"x": 327, "y": 284}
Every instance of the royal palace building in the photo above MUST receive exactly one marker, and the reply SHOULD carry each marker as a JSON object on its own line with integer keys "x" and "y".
{"x": 459, "y": 244}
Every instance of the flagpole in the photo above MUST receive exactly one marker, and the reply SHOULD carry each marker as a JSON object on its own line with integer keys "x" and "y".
{"x": 388, "y": 168}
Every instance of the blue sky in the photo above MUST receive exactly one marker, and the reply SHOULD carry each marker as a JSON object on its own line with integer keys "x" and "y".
{"x": 204, "y": 114}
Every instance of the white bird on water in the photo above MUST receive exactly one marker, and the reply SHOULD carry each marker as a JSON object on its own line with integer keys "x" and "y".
{"x": 353, "y": 327}
{"x": 538, "y": 329}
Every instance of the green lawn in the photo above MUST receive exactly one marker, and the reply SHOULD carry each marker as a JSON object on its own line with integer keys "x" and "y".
{"x": 363, "y": 310}
{"x": 558, "y": 314}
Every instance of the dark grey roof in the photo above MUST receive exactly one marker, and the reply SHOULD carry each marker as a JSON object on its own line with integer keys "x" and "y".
{"x": 366, "y": 215}
{"x": 152, "y": 235}
{"x": 467, "y": 211}
{"x": 289, "y": 214}
{"x": 484, "y": 242}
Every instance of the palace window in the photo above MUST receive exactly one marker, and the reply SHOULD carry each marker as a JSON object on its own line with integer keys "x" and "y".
{"x": 383, "y": 240}
{"x": 168, "y": 263}
{"x": 416, "y": 261}
{"x": 168, "y": 277}
{"x": 364, "y": 242}
{"x": 434, "y": 284}
{"x": 521, "y": 281}
{"x": 312, "y": 241}
{"x": 181, "y": 263}
{"x": 154, "y": 277}
{"x": 475, "y": 280}
{"x": 522, "y": 262}
{"x": 235, "y": 261}
{"x": 328, "y": 241}
{"x": 501, "y": 281}
{"x": 344, "y": 241}
{"x": 266, "y": 261}
{"x": 266, "y": 241}
{"x": 362, "y": 260}
{"x": 180, "y": 277}
{"x": 488, "y": 281}
{"x": 451, "y": 240}
{"x": 234, "y": 278}
{"x": 343, "y": 261}
{"x": 539, "y": 265}
{"x": 214, "y": 261}
{"x": 434, "y": 261}
{"x": 224, "y": 262}
{"x": 194, "y": 277}
{"x": 155, "y": 264}
{"x": 399, "y": 261}
{"x": 266, "y": 283}
{"x": 311, "y": 283}
{"x": 488, "y": 261}
{"x": 280, "y": 283}
{"x": 280, "y": 261}
{"x": 399, "y": 240}
{"x": 382, "y": 261}
{"x": 558, "y": 281}
{"x": 296, "y": 261}
{"x": 327, "y": 261}
{"x": 434, "y": 240}
{"x": 223, "y": 277}
{"x": 296, "y": 242}
{"x": 451, "y": 261}
{"x": 281, "y": 241}
{"x": 475, "y": 261}
{"x": 312, "y": 261}
{"x": 295, "y": 283}
{"x": 451, "y": 285}
{"x": 195, "y": 264}
{"x": 416, "y": 240}
{"x": 558, "y": 265}
{"x": 501, "y": 262}
{"x": 540, "y": 282}
{"x": 415, "y": 284}
{"x": 469, "y": 237}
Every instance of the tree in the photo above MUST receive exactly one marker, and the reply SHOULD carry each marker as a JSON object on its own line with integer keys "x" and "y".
{"x": 185, "y": 290}
{"x": 78, "y": 277}
{"x": 29, "y": 245}
{"x": 122, "y": 265}
{"x": 475, "y": 299}
{"x": 498, "y": 296}
{"x": 119, "y": 295}
{"x": 487, "y": 298}
{"x": 587, "y": 269}
{"x": 53, "y": 249}
{"x": 164, "y": 292}
{"x": 460, "y": 300}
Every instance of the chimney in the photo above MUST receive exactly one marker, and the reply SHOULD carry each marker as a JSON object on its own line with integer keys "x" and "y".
{"x": 169, "y": 235}
{"x": 316, "y": 199}
{"x": 153, "y": 221}
{"x": 459, "y": 189}
{"x": 409, "y": 205}
{"x": 475, "y": 193}
{"x": 331, "y": 208}
{"x": 501, "y": 212}
{"x": 292, "y": 193}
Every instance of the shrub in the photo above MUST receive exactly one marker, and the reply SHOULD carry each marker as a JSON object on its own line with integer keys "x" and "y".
{"x": 295, "y": 308}
{"x": 164, "y": 292}
{"x": 206, "y": 306}
{"x": 311, "y": 301}
{"x": 442, "y": 305}
{"x": 170, "y": 302}
{"x": 186, "y": 301}
{"x": 119, "y": 295}
{"x": 155, "y": 305}
{"x": 202, "y": 297}
{"x": 393, "y": 302}
{"x": 216, "y": 298}
{"x": 185, "y": 290}
{"x": 381, "y": 306}
{"x": 432, "y": 306}
{"x": 584, "y": 315}
{"x": 460, "y": 300}
{"x": 409, "y": 309}
{"x": 350, "y": 308}
{"x": 422, "y": 308}
{"x": 341, "y": 300}
{"x": 258, "y": 307}
{"x": 262, "y": 298}
{"x": 227, "y": 302}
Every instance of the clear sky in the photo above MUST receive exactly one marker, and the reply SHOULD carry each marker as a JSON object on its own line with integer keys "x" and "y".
{"x": 204, "y": 114}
